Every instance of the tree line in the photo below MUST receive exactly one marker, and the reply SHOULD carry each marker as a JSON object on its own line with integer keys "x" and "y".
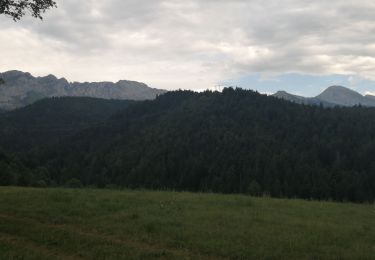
{"x": 235, "y": 141}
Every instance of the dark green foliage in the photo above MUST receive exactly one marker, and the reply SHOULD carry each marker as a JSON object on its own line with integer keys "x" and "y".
{"x": 220, "y": 142}
{"x": 2, "y": 81}
{"x": 12, "y": 171}
{"x": 17, "y": 8}
{"x": 254, "y": 189}
{"x": 40, "y": 184}
{"x": 73, "y": 183}
{"x": 50, "y": 120}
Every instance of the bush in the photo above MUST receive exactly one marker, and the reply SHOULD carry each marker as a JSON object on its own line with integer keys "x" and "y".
{"x": 40, "y": 184}
{"x": 73, "y": 183}
{"x": 254, "y": 189}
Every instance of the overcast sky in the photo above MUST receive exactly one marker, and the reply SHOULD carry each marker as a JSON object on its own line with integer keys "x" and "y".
{"x": 297, "y": 45}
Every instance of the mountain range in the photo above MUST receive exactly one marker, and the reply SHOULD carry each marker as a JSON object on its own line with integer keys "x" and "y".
{"x": 21, "y": 89}
{"x": 332, "y": 96}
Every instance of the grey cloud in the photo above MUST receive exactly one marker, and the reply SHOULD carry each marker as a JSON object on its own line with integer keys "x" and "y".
{"x": 176, "y": 43}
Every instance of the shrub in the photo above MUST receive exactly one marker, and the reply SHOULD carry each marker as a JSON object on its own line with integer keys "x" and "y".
{"x": 254, "y": 189}
{"x": 73, "y": 183}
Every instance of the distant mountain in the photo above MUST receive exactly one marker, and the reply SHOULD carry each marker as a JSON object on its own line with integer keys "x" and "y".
{"x": 344, "y": 96}
{"x": 301, "y": 100}
{"x": 21, "y": 89}
{"x": 370, "y": 97}
{"x": 332, "y": 96}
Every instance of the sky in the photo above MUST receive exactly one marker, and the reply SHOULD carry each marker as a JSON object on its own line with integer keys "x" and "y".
{"x": 299, "y": 46}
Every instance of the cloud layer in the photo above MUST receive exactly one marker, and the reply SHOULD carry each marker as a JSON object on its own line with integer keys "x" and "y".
{"x": 193, "y": 44}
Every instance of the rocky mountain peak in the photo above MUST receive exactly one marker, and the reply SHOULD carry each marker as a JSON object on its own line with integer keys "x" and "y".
{"x": 332, "y": 96}
{"x": 21, "y": 88}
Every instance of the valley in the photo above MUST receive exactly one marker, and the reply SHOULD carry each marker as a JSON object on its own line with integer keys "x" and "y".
{"x": 169, "y": 129}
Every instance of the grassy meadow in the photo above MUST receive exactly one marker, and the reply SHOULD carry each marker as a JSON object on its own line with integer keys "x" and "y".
{"x": 109, "y": 224}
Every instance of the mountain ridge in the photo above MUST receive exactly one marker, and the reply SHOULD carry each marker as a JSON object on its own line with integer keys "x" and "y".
{"x": 332, "y": 96}
{"x": 22, "y": 88}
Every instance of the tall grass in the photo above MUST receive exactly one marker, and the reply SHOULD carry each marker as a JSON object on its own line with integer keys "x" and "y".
{"x": 108, "y": 224}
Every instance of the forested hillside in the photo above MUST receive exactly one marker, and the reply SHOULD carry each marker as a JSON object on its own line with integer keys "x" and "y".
{"x": 49, "y": 120}
{"x": 237, "y": 141}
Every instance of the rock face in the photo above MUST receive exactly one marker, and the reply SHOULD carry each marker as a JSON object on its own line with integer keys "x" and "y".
{"x": 332, "y": 96}
{"x": 21, "y": 89}
{"x": 371, "y": 97}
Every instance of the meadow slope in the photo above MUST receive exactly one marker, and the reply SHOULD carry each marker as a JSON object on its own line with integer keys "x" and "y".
{"x": 109, "y": 224}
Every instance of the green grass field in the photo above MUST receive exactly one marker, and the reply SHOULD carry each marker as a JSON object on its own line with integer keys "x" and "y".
{"x": 106, "y": 224}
